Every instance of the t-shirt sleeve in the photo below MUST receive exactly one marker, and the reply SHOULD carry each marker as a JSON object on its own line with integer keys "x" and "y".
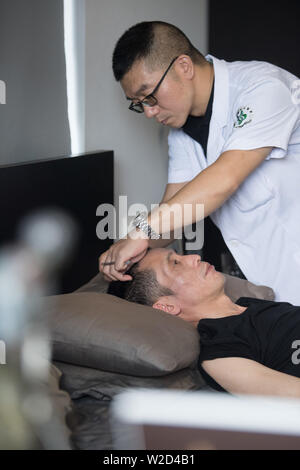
{"x": 180, "y": 168}
{"x": 220, "y": 342}
{"x": 264, "y": 116}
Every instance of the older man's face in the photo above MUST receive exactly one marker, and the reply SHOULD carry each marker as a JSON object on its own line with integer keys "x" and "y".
{"x": 192, "y": 280}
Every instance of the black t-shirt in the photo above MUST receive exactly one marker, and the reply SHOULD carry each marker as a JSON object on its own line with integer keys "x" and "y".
{"x": 198, "y": 127}
{"x": 265, "y": 333}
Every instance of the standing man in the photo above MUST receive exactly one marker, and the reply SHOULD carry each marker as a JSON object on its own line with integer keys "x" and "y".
{"x": 234, "y": 146}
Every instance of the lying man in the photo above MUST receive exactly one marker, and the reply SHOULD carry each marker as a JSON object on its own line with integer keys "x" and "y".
{"x": 246, "y": 347}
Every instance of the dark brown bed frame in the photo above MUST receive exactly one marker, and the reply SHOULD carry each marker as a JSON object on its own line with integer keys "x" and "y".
{"x": 76, "y": 185}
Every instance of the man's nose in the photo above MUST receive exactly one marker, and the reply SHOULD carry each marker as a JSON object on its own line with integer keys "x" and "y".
{"x": 151, "y": 111}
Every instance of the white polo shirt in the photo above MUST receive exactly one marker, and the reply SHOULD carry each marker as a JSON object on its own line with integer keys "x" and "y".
{"x": 255, "y": 105}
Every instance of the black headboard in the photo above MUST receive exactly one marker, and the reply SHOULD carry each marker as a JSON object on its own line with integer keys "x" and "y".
{"x": 77, "y": 185}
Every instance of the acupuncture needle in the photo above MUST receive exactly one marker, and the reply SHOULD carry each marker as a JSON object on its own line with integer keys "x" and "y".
{"x": 109, "y": 263}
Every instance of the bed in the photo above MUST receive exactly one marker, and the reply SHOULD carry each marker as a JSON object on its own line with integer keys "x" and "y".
{"x": 101, "y": 345}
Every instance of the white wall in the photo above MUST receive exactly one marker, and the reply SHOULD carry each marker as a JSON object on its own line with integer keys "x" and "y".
{"x": 140, "y": 145}
{"x": 33, "y": 120}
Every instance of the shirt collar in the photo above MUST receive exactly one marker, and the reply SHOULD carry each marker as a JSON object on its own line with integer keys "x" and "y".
{"x": 202, "y": 120}
{"x": 221, "y": 90}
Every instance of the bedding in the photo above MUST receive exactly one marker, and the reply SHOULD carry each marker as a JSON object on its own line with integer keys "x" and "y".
{"x": 92, "y": 392}
{"x": 94, "y": 329}
{"x": 91, "y": 388}
{"x": 93, "y": 376}
{"x": 102, "y": 385}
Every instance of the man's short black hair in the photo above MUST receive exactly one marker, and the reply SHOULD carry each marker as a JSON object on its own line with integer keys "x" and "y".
{"x": 143, "y": 289}
{"x": 155, "y": 41}
{"x": 133, "y": 45}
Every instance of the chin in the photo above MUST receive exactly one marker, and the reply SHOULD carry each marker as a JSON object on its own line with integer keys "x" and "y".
{"x": 175, "y": 125}
{"x": 221, "y": 277}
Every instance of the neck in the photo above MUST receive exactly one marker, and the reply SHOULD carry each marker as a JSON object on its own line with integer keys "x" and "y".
{"x": 220, "y": 307}
{"x": 203, "y": 83}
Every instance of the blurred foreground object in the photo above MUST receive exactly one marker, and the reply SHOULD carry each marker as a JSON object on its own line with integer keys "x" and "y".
{"x": 203, "y": 420}
{"x": 27, "y": 414}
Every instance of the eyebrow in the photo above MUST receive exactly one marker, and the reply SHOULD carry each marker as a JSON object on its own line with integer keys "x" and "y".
{"x": 167, "y": 258}
{"x": 139, "y": 91}
{"x": 164, "y": 265}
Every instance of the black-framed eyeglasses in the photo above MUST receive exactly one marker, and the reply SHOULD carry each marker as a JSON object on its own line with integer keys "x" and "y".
{"x": 149, "y": 100}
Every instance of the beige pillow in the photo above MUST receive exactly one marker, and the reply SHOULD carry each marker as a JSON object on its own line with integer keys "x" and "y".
{"x": 111, "y": 334}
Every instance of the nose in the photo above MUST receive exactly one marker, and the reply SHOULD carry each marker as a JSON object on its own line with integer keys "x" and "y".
{"x": 151, "y": 111}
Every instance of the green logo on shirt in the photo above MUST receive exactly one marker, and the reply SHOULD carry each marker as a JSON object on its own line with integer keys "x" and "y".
{"x": 243, "y": 116}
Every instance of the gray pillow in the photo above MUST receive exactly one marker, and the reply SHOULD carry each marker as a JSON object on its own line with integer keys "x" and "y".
{"x": 84, "y": 381}
{"x": 111, "y": 334}
{"x": 236, "y": 288}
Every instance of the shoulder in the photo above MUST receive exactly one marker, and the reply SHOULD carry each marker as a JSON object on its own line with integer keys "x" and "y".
{"x": 260, "y": 79}
{"x": 255, "y": 71}
{"x": 246, "y": 301}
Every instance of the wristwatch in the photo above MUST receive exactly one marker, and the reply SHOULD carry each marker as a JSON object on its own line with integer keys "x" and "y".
{"x": 140, "y": 221}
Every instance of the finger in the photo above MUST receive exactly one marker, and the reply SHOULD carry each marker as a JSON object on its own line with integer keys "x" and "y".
{"x": 121, "y": 273}
{"x": 118, "y": 275}
{"x": 111, "y": 274}
{"x": 104, "y": 258}
{"x": 110, "y": 278}
{"x": 121, "y": 264}
{"x": 106, "y": 264}
{"x": 124, "y": 277}
{"x": 121, "y": 277}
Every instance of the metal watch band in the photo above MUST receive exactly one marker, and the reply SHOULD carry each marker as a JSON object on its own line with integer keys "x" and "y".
{"x": 140, "y": 222}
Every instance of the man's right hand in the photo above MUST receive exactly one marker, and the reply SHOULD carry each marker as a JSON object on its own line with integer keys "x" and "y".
{"x": 133, "y": 250}
{"x": 124, "y": 254}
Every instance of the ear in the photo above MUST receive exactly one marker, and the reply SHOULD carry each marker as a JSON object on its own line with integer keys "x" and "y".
{"x": 186, "y": 66}
{"x": 168, "y": 305}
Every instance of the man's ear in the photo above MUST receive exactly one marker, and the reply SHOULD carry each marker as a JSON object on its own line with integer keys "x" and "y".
{"x": 186, "y": 66}
{"x": 168, "y": 305}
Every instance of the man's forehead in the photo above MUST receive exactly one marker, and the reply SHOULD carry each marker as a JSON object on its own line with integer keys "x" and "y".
{"x": 157, "y": 260}
{"x": 139, "y": 91}
{"x": 153, "y": 257}
{"x": 137, "y": 80}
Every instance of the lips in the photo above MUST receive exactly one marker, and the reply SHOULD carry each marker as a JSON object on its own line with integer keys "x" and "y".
{"x": 209, "y": 268}
{"x": 163, "y": 121}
